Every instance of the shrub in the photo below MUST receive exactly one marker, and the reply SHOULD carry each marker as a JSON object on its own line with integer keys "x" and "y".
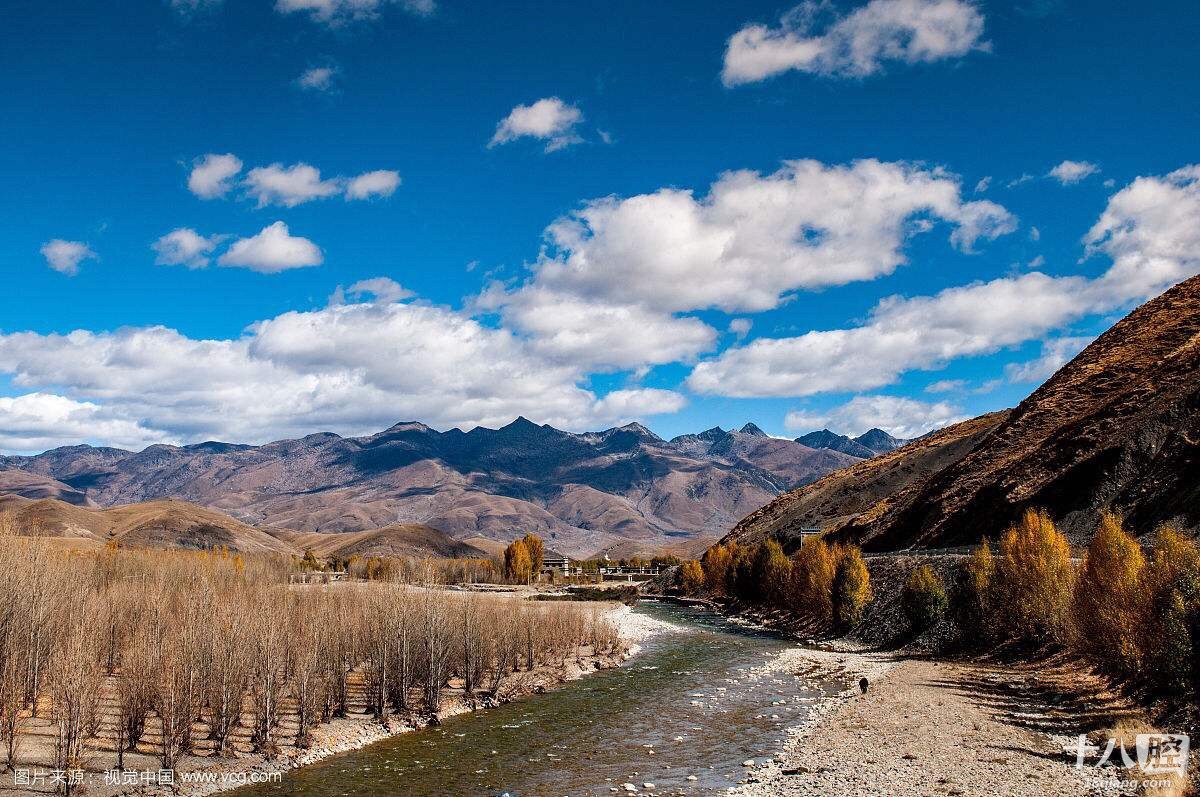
{"x": 813, "y": 569}
{"x": 1110, "y": 602}
{"x": 851, "y": 589}
{"x": 924, "y": 598}
{"x": 1033, "y": 580}
{"x": 973, "y": 599}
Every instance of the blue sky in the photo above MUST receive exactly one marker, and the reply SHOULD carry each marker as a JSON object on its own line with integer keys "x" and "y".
{"x": 555, "y": 265}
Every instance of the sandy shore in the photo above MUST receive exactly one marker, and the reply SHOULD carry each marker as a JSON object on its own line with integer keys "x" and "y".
{"x": 938, "y": 728}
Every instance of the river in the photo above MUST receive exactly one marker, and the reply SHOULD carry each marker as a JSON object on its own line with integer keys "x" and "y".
{"x": 690, "y": 704}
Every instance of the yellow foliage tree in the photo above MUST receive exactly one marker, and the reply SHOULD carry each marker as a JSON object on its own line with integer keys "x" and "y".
{"x": 851, "y": 589}
{"x": 537, "y": 552}
{"x": 1172, "y": 583}
{"x": 717, "y": 563}
{"x": 1109, "y": 604}
{"x": 518, "y": 567}
{"x": 1034, "y": 579}
{"x": 974, "y": 603}
{"x": 774, "y": 570}
{"x": 691, "y": 577}
{"x": 813, "y": 568}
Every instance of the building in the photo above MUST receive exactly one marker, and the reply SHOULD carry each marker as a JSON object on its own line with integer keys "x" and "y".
{"x": 553, "y": 560}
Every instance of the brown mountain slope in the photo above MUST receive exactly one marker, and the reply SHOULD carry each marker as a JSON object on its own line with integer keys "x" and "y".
{"x": 398, "y": 540}
{"x": 153, "y": 524}
{"x": 36, "y": 486}
{"x": 869, "y": 490}
{"x": 1118, "y": 427}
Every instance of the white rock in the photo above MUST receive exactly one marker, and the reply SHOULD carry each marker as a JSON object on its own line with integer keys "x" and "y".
{"x": 749, "y": 762}
{"x": 629, "y": 787}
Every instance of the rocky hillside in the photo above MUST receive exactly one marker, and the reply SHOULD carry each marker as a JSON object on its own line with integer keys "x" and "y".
{"x": 622, "y": 489}
{"x": 867, "y": 491}
{"x": 1118, "y": 427}
{"x": 875, "y": 441}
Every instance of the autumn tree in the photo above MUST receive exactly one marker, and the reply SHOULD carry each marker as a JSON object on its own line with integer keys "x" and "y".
{"x": 1109, "y": 602}
{"x": 691, "y": 578}
{"x": 773, "y": 570}
{"x": 1171, "y": 635}
{"x": 851, "y": 589}
{"x": 923, "y": 598}
{"x": 813, "y": 568}
{"x": 717, "y": 563}
{"x": 537, "y": 553}
{"x": 518, "y": 566}
{"x": 1034, "y": 580}
{"x": 974, "y": 603}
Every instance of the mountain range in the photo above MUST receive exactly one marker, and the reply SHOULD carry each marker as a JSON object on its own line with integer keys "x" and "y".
{"x": 1117, "y": 428}
{"x": 620, "y": 491}
{"x": 865, "y": 446}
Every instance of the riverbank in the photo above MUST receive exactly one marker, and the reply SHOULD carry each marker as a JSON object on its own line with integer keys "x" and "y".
{"x": 945, "y": 728}
{"x": 196, "y": 776}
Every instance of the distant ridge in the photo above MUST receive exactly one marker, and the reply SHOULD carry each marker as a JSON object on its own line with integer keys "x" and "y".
{"x": 620, "y": 489}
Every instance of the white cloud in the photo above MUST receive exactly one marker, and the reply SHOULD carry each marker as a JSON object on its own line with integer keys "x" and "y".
{"x": 549, "y": 119}
{"x": 900, "y": 335}
{"x": 352, "y": 369}
{"x": 373, "y": 184}
{"x": 318, "y": 78}
{"x": 1072, "y": 172}
{"x": 35, "y": 422}
{"x": 212, "y": 176}
{"x": 983, "y": 185}
{"x": 65, "y": 256}
{"x": 946, "y": 386}
{"x": 336, "y": 12}
{"x": 626, "y": 268}
{"x": 898, "y": 416}
{"x": 1151, "y": 230}
{"x": 382, "y": 289}
{"x": 740, "y": 327}
{"x": 1056, "y": 353}
{"x": 185, "y": 247}
{"x": 288, "y": 186}
{"x": 622, "y": 406}
{"x": 274, "y": 249}
{"x": 595, "y": 334}
{"x": 755, "y": 238}
{"x": 812, "y": 39}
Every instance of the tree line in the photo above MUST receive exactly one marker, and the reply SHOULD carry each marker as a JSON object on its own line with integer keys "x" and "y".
{"x": 826, "y": 582}
{"x": 1133, "y": 612}
{"x": 185, "y": 638}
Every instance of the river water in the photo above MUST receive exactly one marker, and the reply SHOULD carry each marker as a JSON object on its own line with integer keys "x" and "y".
{"x": 693, "y": 703}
